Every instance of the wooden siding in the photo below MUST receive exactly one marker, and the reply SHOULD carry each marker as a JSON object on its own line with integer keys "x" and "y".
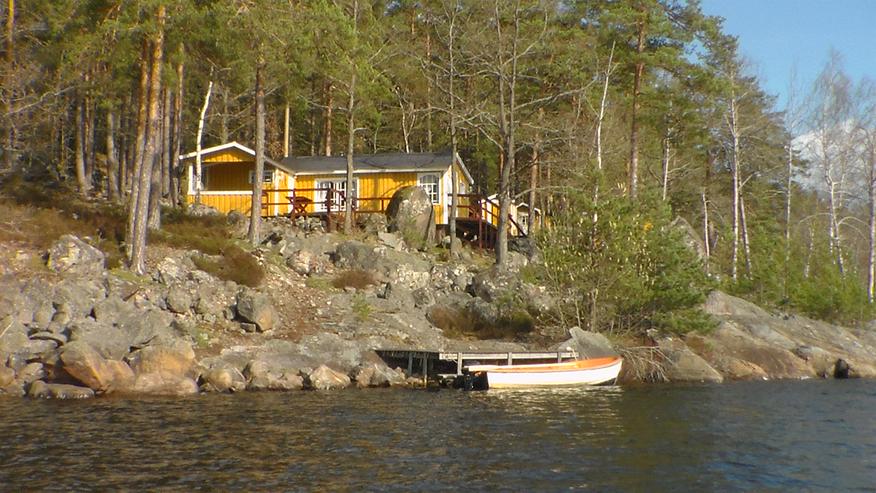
{"x": 370, "y": 185}
{"x": 227, "y": 176}
{"x": 226, "y": 202}
{"x": 227, "y": 156}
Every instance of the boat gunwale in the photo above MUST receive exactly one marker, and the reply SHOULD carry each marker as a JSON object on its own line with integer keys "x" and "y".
{"x": 566, "y": 366}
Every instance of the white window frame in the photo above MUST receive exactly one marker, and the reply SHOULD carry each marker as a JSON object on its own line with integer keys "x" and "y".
{"x": 433, "y": 190}
{"x": 337, "y": 184}
{"x": 267, "y": 176}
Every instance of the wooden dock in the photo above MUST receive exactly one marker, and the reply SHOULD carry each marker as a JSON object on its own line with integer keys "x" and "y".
{"x": 450, "y": 363}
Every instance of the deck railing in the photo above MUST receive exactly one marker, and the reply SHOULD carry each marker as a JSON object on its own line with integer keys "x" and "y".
{"x": 304, "y": 201}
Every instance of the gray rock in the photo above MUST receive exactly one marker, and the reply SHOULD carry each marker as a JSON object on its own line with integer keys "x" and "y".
{"x": 168, "y": 356}
{"x": 391, "y": 240}
{"x": 44, "y": 335}
{"x": 268, "y": 375}
{"x": 171, "y": 270}
{"x": 42, "y": 390}
{"x": 683, "y": 365}
{"x": 201, "y": 210}
{"x": 30, "y": 373}
{"x": 248, "y": 327}
{"x": 13, "y": 335}
{"x": 410, "y": 213}
{"x": 7, "y": 376}
{"x": 167, "y": 384}
{"x": 42, "y": 316}
{"x": 308, "y": 263}
{"x": 70, "y": 255}
{"x": 378, "y": 375}
{"x": 179, "y": 300}
{"x": 588, "y": 344}
{"x": 324, "y": 378}
{"x": 256, "y": 308}
{"x": 227, "y": 379}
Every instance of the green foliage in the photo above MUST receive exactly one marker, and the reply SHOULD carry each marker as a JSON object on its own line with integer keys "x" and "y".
{"x": 627, "y": 271}
{"x": 361, "y": 308}
{"x": 234, "y": 264}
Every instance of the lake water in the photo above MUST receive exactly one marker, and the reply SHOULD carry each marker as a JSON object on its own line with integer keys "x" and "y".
{"x": 763, "y": 436}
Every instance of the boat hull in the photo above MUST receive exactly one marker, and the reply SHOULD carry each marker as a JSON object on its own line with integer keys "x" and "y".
{"x": 602, "y": 371}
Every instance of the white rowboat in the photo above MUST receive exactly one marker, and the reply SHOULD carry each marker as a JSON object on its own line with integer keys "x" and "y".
{"x": 596, "y": 371}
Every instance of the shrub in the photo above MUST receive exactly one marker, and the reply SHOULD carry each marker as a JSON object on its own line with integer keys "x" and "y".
{"x": 234, "y": 264}
{"x": 629, "y": 271}
{"x": 356, "y": 278}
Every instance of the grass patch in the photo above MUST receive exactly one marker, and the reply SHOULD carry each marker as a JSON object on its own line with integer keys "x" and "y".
{"x": 234, "y": 264}
{"x": 320, "y": 283}
{"x": 463, "y": 323}
{"x": 355, "y": 278}
{"x": 361, "y": 309}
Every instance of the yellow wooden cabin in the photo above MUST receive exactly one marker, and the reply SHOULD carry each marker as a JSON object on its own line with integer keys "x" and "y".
{"x": 376, "y": 178}
{"x": 227, "y": 172}
{"x": 313, "y": 185}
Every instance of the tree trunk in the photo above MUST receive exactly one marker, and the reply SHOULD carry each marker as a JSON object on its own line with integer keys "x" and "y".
{"x": 255, "y": 216}
{"x": 155, "y": 179}
{"x": 88, "y": 144}
{"x": 351, "y": 140}
{"x": 138, "y": 255}
{"x": 198, "y": 176}
{"x": 176, "y": 135}
{"x": 166, "y": 149}
{"x": 286, "y": 131}
{"x": 79, "y": 151}
{"x": 734, "y": 131}
{"x": 327, "y": 119}
{"x": 112, "y": 160}
{"x": 599, "y": 120}
{"x": 454, "y": 143}
{"x": 429, "y": 91}
{"x": 634, "y": 118}
{"x": 9, "y": 151}
{"x": 665, "y": 161}
{"x": 871, "y": 253}
{"x": 745, "y": 243}
{"x": 139, "y": 147}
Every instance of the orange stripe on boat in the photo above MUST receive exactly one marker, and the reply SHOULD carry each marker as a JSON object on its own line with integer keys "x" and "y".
{"x": 583, "y": 364}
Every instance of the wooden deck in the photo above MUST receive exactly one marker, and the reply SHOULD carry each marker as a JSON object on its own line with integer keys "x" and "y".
{"x": 447, "y": 363}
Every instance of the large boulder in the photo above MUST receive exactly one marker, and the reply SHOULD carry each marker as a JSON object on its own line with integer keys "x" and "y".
{"x": 227, "y": 379}
{"x": 161, "y": 383}
{"x": 265, "y": 374}
{"x": 411, "y": 214}
{"x": 256, "y": 308}
{"x": 587, "y": 344}
{"x": 683, "y": 365}
{"x": 179, "y": 300}
{"x": 71, "y": 255}
{"x": 174, "y": 357}
{"x": 7, "y": 376}
{"x": 324, "y": 378}
{"x": 42, "y": 390}
{"x": 378, "y": 375}
{"x": 85, "y": 364}
{"x": 13, "y": 335}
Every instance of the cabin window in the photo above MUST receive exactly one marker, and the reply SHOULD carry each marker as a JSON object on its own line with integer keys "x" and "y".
{"x": 340, "y": 185}
{"x": 267, "y": 176}
{"x": 429, "y": 183}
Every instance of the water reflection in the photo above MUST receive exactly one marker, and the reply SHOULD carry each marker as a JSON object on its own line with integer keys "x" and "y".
{"x": 737, "y": 437}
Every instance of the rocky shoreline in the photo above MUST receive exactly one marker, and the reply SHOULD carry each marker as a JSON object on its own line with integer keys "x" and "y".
{"x": 76, "y": 330}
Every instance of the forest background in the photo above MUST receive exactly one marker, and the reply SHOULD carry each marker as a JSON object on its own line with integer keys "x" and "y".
{"x": 635, "y": 126}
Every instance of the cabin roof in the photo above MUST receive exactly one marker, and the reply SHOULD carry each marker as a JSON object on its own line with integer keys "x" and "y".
{"x": 237, "y": 146}
{"x": 391, "y": 162}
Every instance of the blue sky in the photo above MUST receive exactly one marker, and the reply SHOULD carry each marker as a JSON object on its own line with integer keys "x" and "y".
{"x": 780, "y": 35}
